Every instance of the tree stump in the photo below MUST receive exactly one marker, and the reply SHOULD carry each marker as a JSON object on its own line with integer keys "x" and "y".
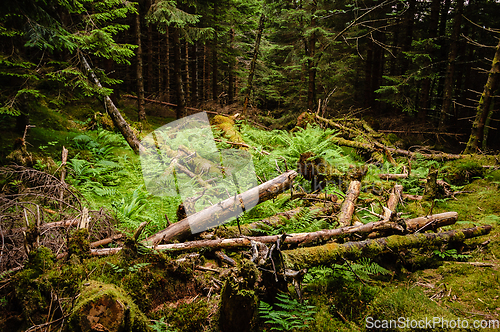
{"x": 104, "y": 307}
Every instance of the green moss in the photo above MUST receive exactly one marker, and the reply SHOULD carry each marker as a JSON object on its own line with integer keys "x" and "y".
{"x": 462, "y": 171}
{"x": 95, "y": 294}
{"x": 409, "y": 303}
{"x": 78, "y": 244}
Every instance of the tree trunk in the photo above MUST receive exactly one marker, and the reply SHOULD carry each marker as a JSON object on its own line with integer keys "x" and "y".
{"x": 140, "y": 77}
{"x": 426, "y": 82}
{"x": 215, "y": 93}
{"x": 483, "y": 109}
{"x": 187, "y": 91}
{"x": 181, "y": 101}
{"x": 115, "y": 115}
{"x": 218, "y": 213}
{"x": 230, "y": 88}
{"x": 194, "y": 74}
{"x": 167, "y": 65}
{"x": 254, "y": 61}
{"x": 450, "y": 71}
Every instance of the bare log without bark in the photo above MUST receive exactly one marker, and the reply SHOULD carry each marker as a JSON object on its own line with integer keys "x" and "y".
{"x": 393, "y": 176}
{"x": 332, "y": 253}
{"x": 431, "y": 222}
{"x": 392, "y": 202}
{"x": 349, "y": 204}
{"x": 218, "y": 213}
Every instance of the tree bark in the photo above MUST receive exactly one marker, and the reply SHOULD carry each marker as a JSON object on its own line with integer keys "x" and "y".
{"x": 218, "y": 213}
{"x": 254, "y": 61}
{"x": 115, "y": 114}
{"x": 483, "y": 109}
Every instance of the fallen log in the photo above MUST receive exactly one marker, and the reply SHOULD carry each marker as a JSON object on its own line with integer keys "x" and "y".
{"x": 392, "y": 176}
{"x": 396, "y": 151}
{"x": 422, "y": 223}
{"x": 347, "y": 208}
{"x": 332, "y": 253}
{"x": 218, "y": 213}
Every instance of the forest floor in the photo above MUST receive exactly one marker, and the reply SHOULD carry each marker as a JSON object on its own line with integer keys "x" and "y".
{"x": 441, "y": 286}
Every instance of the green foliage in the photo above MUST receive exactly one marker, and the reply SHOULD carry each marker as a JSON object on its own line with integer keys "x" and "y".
{"x": 348, "y": 271}
{"x": 451, "y": 254}
{"x": 130, "y": 269}
{"x": 287, "y": 314}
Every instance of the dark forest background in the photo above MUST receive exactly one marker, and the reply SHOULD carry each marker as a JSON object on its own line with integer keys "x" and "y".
{"x": 423, "y": 60}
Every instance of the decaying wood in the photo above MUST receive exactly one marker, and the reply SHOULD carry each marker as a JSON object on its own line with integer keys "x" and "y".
{"x": 332, "y": 253}
{"x": 392, "y": 202}
{"x": 431, "y": 222}
{"x": 422, "y": 223}
{"x": 395, "y": 151}
{"x": 349, "y": 204}
{"x": 105, "y": 241}
{"x": 393, "y": 176}
{"x": 218, "y": 213}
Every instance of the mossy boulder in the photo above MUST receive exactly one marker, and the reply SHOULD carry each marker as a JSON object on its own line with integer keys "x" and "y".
{"x": 106, "y": 307}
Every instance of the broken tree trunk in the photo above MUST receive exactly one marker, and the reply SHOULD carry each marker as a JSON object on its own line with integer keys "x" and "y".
{"x": 218, "y": 213}
{"x": 332, "y": 253}
{"x": 349, "y": 203}
{"x": 392, "y": 202}
{"x": 115, "y": 114}
{"x": 420, "y": 224}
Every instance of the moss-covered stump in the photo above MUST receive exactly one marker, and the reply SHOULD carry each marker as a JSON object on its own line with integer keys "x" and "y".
{"x": 239, "y": 303}
{"x": 104, "y": 307}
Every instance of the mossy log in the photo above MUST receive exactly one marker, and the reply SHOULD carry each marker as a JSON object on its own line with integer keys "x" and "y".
{"x": 372, "y": 147}
{"x": 218, "y": 213}
{"x": 333, "y": 253}
{"x": 347, "y": 208}
{"x": 104, "y": 307}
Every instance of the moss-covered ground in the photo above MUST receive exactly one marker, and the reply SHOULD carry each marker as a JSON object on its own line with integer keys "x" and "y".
{"x": 458, "y": 282}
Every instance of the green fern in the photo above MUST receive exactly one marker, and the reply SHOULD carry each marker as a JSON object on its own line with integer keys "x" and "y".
{"x": 287, "y": 314}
